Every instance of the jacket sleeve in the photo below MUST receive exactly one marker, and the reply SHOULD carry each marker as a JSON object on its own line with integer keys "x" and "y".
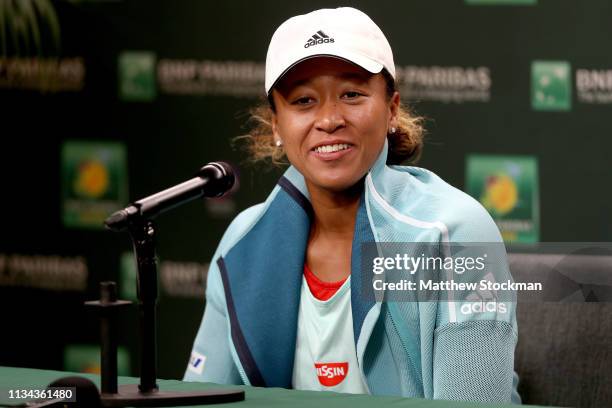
{"x": 475, "y": 338}
{"x": 473, "y": 361}
{"x": 211, "y": 358}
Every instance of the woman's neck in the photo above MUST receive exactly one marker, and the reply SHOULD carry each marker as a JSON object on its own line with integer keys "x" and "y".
{"x": 331, "y": 232}
{"x": 334, "y": 212}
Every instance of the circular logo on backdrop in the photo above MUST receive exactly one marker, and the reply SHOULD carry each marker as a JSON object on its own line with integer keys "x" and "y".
{"x": 500, "y": 194}
{"x": 92, "y": 179}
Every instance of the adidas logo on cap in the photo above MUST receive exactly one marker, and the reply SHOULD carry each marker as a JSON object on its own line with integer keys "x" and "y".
{"x": 318, "y": 38}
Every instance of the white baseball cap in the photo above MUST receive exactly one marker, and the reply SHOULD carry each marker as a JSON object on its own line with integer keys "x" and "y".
{"x": 344, "y": 32}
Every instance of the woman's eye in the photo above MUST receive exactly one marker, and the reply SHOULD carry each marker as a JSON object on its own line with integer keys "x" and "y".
{"x": 351, "y": 95}
{"x": 304, "y": 100}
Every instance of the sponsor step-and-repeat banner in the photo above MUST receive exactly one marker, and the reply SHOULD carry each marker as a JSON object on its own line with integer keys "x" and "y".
{"x": 100, "y": 110}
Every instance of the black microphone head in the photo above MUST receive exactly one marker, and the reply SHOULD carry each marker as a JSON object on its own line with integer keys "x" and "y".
{"x": 117, "y": 221}
{"x": 221, "y": 177}
{"x": 87, "y": 394}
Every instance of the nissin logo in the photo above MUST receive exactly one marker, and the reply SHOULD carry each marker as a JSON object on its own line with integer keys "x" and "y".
{"x": 331, "y": 374}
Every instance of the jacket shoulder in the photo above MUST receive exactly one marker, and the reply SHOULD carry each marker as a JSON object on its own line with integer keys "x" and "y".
{"x": 239, "y": 226}
{"x": 465, "y": 219}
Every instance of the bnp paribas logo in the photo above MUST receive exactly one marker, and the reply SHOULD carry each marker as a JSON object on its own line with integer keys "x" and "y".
{"x": 137, "y": 76}
{"x": 551, "y": 86}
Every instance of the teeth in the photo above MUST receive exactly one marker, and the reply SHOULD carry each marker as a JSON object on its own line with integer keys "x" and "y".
{"x": 331, "y": 148}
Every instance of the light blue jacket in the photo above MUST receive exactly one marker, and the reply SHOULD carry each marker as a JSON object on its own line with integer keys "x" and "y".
{"x": 426, "y": 350}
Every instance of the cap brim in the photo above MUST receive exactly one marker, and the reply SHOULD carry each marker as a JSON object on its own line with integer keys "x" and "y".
{"x": 359, "y": 60}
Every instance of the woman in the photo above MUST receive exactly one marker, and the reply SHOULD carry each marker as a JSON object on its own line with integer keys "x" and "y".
{"x": 284, "y": 304}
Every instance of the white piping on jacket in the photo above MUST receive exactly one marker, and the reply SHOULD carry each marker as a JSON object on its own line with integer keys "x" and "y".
{"x": 420, "y": 224}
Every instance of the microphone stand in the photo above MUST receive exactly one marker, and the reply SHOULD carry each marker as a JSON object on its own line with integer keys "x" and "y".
{"x": 147, "y": 393}
{"x": 143, "y": 234}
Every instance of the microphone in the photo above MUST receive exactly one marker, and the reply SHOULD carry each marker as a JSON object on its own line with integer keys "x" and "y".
{"x": 212, "y": 180}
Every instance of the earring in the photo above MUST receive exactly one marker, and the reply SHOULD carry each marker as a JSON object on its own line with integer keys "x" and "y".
{"x": 392, "y": 130}
{"x": 278, "y": 143}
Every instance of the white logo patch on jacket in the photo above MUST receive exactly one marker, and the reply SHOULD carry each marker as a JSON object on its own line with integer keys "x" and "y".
{"x": 196, "y": 362}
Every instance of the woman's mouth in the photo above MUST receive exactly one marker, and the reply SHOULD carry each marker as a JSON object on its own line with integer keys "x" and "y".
{"x": 332, "y": 151}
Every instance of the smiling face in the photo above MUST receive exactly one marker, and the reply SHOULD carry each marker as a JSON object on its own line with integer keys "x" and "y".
{"x": 332, "y": 117}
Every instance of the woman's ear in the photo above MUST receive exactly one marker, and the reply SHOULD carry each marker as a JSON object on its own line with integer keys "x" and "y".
{"x": 275, "y": 134}
{"x": 275, "y": 128}
{"x": 394, "y": 105}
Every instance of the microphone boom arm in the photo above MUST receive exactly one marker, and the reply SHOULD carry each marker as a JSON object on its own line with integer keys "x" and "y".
{"x": 212, "y": 180}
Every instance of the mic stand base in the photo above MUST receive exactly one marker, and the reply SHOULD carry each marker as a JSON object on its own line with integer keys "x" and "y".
{"x": 131, "y": 396}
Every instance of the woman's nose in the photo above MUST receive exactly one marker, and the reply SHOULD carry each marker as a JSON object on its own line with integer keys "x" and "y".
{"x": 329, "y": 117}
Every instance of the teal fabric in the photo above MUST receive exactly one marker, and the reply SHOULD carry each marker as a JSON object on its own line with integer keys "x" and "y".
{"x": 426, "y": 350}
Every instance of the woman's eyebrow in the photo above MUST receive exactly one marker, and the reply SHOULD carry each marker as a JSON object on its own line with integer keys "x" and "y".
{"x": 358, "y": 76}
{"x": 288, "y": 86}
{"x": 299, "y": 82}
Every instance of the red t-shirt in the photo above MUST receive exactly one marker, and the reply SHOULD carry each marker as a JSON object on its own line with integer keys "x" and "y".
{"x": 319, "y": 289}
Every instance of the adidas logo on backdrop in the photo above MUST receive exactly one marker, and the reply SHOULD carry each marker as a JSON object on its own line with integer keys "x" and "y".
{"x": 318, "y": 38}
